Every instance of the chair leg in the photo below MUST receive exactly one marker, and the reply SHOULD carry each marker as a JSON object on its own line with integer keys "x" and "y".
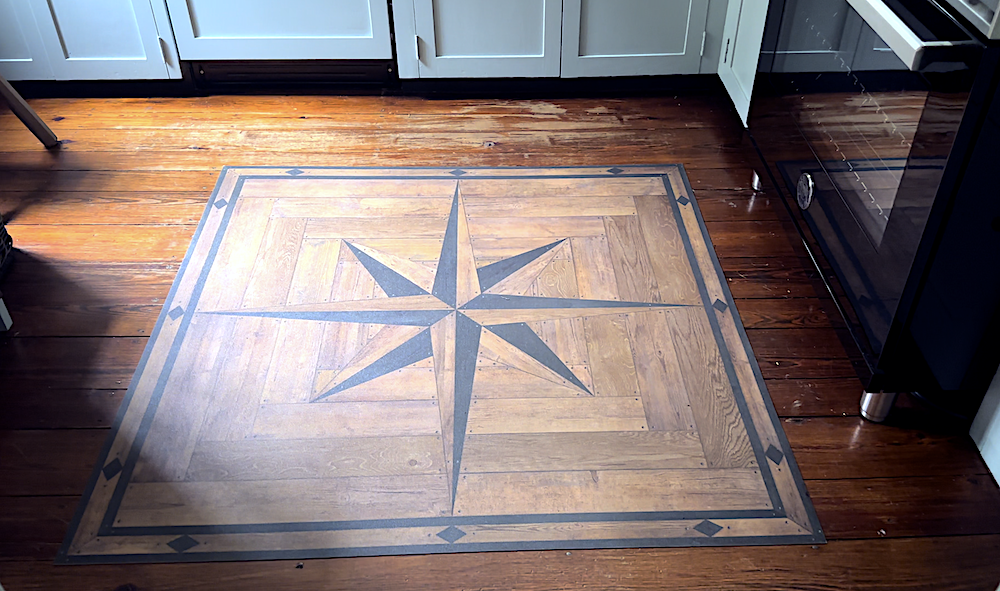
{"x": 27, "y": 115}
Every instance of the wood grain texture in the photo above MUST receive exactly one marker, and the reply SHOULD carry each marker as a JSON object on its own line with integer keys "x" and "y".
{"x": 719, "y": 421}
{"x": 65, "y": 291}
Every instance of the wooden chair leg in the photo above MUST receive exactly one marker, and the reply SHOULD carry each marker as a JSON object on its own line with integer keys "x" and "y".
{"x": 27, "y": 115}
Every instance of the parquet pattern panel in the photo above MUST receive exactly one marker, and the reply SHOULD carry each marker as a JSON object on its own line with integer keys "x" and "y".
{"x": 385, "y": 361}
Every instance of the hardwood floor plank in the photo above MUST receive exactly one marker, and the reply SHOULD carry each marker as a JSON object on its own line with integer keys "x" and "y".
{"x": 786, "y": 313}
{"x": 101, "y": 207}
{"x": 815, "y": 397}
{"x": 661, "y": 379}
{"x": 633, "y": 269}
{"x": 718, "y": 420}
{"x": 551, "y": 228}
{"x": 551, "y": 415}
{"x": 104, "y": 243}
{"x": 674, "y": 277}
{"x": 752, "y": 239}
{"x": 770, "y": 277}
{"x": 718, "y": 205}
{"x": 196, "y": 503}
{"x": 293, "y": 459}
{"x": 348, "y": 419}
{"x": 47, "y": 462}
{"x": 851, "y": 447}
{"x": 83, "y": 362}
{"x": 547, "y": 452}
{"x": 562, "y": 206}
{"x": 907, "y": 507}
{"x": 355, "y": 229}
{"x": 611, "y": 362}
{"x": 28, "y": 408}
{"x": 595, "y": 272}
{"x": 610, "y": 490}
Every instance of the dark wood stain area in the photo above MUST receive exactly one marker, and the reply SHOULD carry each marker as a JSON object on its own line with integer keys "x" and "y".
{"x": 103, "y": 223}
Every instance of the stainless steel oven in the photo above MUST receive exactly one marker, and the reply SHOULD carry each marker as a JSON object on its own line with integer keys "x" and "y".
{"x": 867, "y": 113}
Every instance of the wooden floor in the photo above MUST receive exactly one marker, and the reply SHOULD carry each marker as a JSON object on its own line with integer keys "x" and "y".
{"x": 104, "y": 224}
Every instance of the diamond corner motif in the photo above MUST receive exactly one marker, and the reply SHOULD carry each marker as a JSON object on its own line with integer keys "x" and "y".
{"x": 451, "y": 534}
{"x": 708, "y": 528}
{"x": 183, "y": 544}
{"x": 616, "y": 170}
{"x": 176, "y": 313}
{"x": 295, "y": 172}
{"x": 111, "y": 469}
{"x": 720, "y": 305}
{"x": 220, "y": 203}
{"x": 774, "y": 454}
{"x": 683, "y": 200}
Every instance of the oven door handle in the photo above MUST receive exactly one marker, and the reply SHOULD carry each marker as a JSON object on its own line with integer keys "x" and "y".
{"x": 914, "y": 52}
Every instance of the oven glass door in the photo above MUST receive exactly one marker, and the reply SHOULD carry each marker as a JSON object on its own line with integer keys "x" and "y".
{"x": 861, "y": 137}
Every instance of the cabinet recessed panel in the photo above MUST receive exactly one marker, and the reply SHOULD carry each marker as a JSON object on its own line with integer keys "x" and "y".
{"x": 482, "y": 27}
{"x": 633, "y": 27}
{"x": 77, "y": 22}
{"x": 266, "y": 19}
{"x": 285, "y": 30}
{"x": 13, "y": 46}
{"x": 632, "y": 37}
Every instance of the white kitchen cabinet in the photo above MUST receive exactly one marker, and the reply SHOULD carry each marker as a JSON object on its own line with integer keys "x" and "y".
{"x": 740, "y": 52}
{"x": 94, "y": 40}
{"x": 22, "y": 54}
{"x": 478, "y": 38}
{"x": 286, "y": 30}
{"x": 632, "y": 37}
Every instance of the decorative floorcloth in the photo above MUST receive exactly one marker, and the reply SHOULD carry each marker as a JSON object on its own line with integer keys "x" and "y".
{"x": 359, "y": 361}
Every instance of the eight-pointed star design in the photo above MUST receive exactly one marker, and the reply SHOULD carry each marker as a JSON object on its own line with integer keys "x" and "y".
{"x": 447, "y": 323}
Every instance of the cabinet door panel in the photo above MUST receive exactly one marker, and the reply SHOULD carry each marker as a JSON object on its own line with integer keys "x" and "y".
{"x": 100, "y": 39}
{"x": 632, "y": 37}
{"x": 485, "y": 39}
{"x": 22, "y": 55}
{"x": 289, "y": 30}
{"x": 741, "y": 41}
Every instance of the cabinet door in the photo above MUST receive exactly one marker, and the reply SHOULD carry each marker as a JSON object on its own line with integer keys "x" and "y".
{"x": 101, "y": 39}
{"x": 485, "y": 38}
{"x": 286, "y": 30}
{"x": 632, "y": 37}
{"x": 741, "y": 41}
{"x": 22, "y": 54}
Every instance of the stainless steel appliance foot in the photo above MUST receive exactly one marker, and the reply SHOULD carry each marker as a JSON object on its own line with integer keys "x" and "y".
{"x": 875, "y": 406}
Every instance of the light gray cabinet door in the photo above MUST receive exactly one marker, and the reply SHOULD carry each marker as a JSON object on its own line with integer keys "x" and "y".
{"x": 741, "y": 41}
{"x": 104, "y": 39}
{"x": 22, "y": 54}
{"x": 478, "y": 38}
{"x": 632, "y": 37}
{"x": 285, "y": 30}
